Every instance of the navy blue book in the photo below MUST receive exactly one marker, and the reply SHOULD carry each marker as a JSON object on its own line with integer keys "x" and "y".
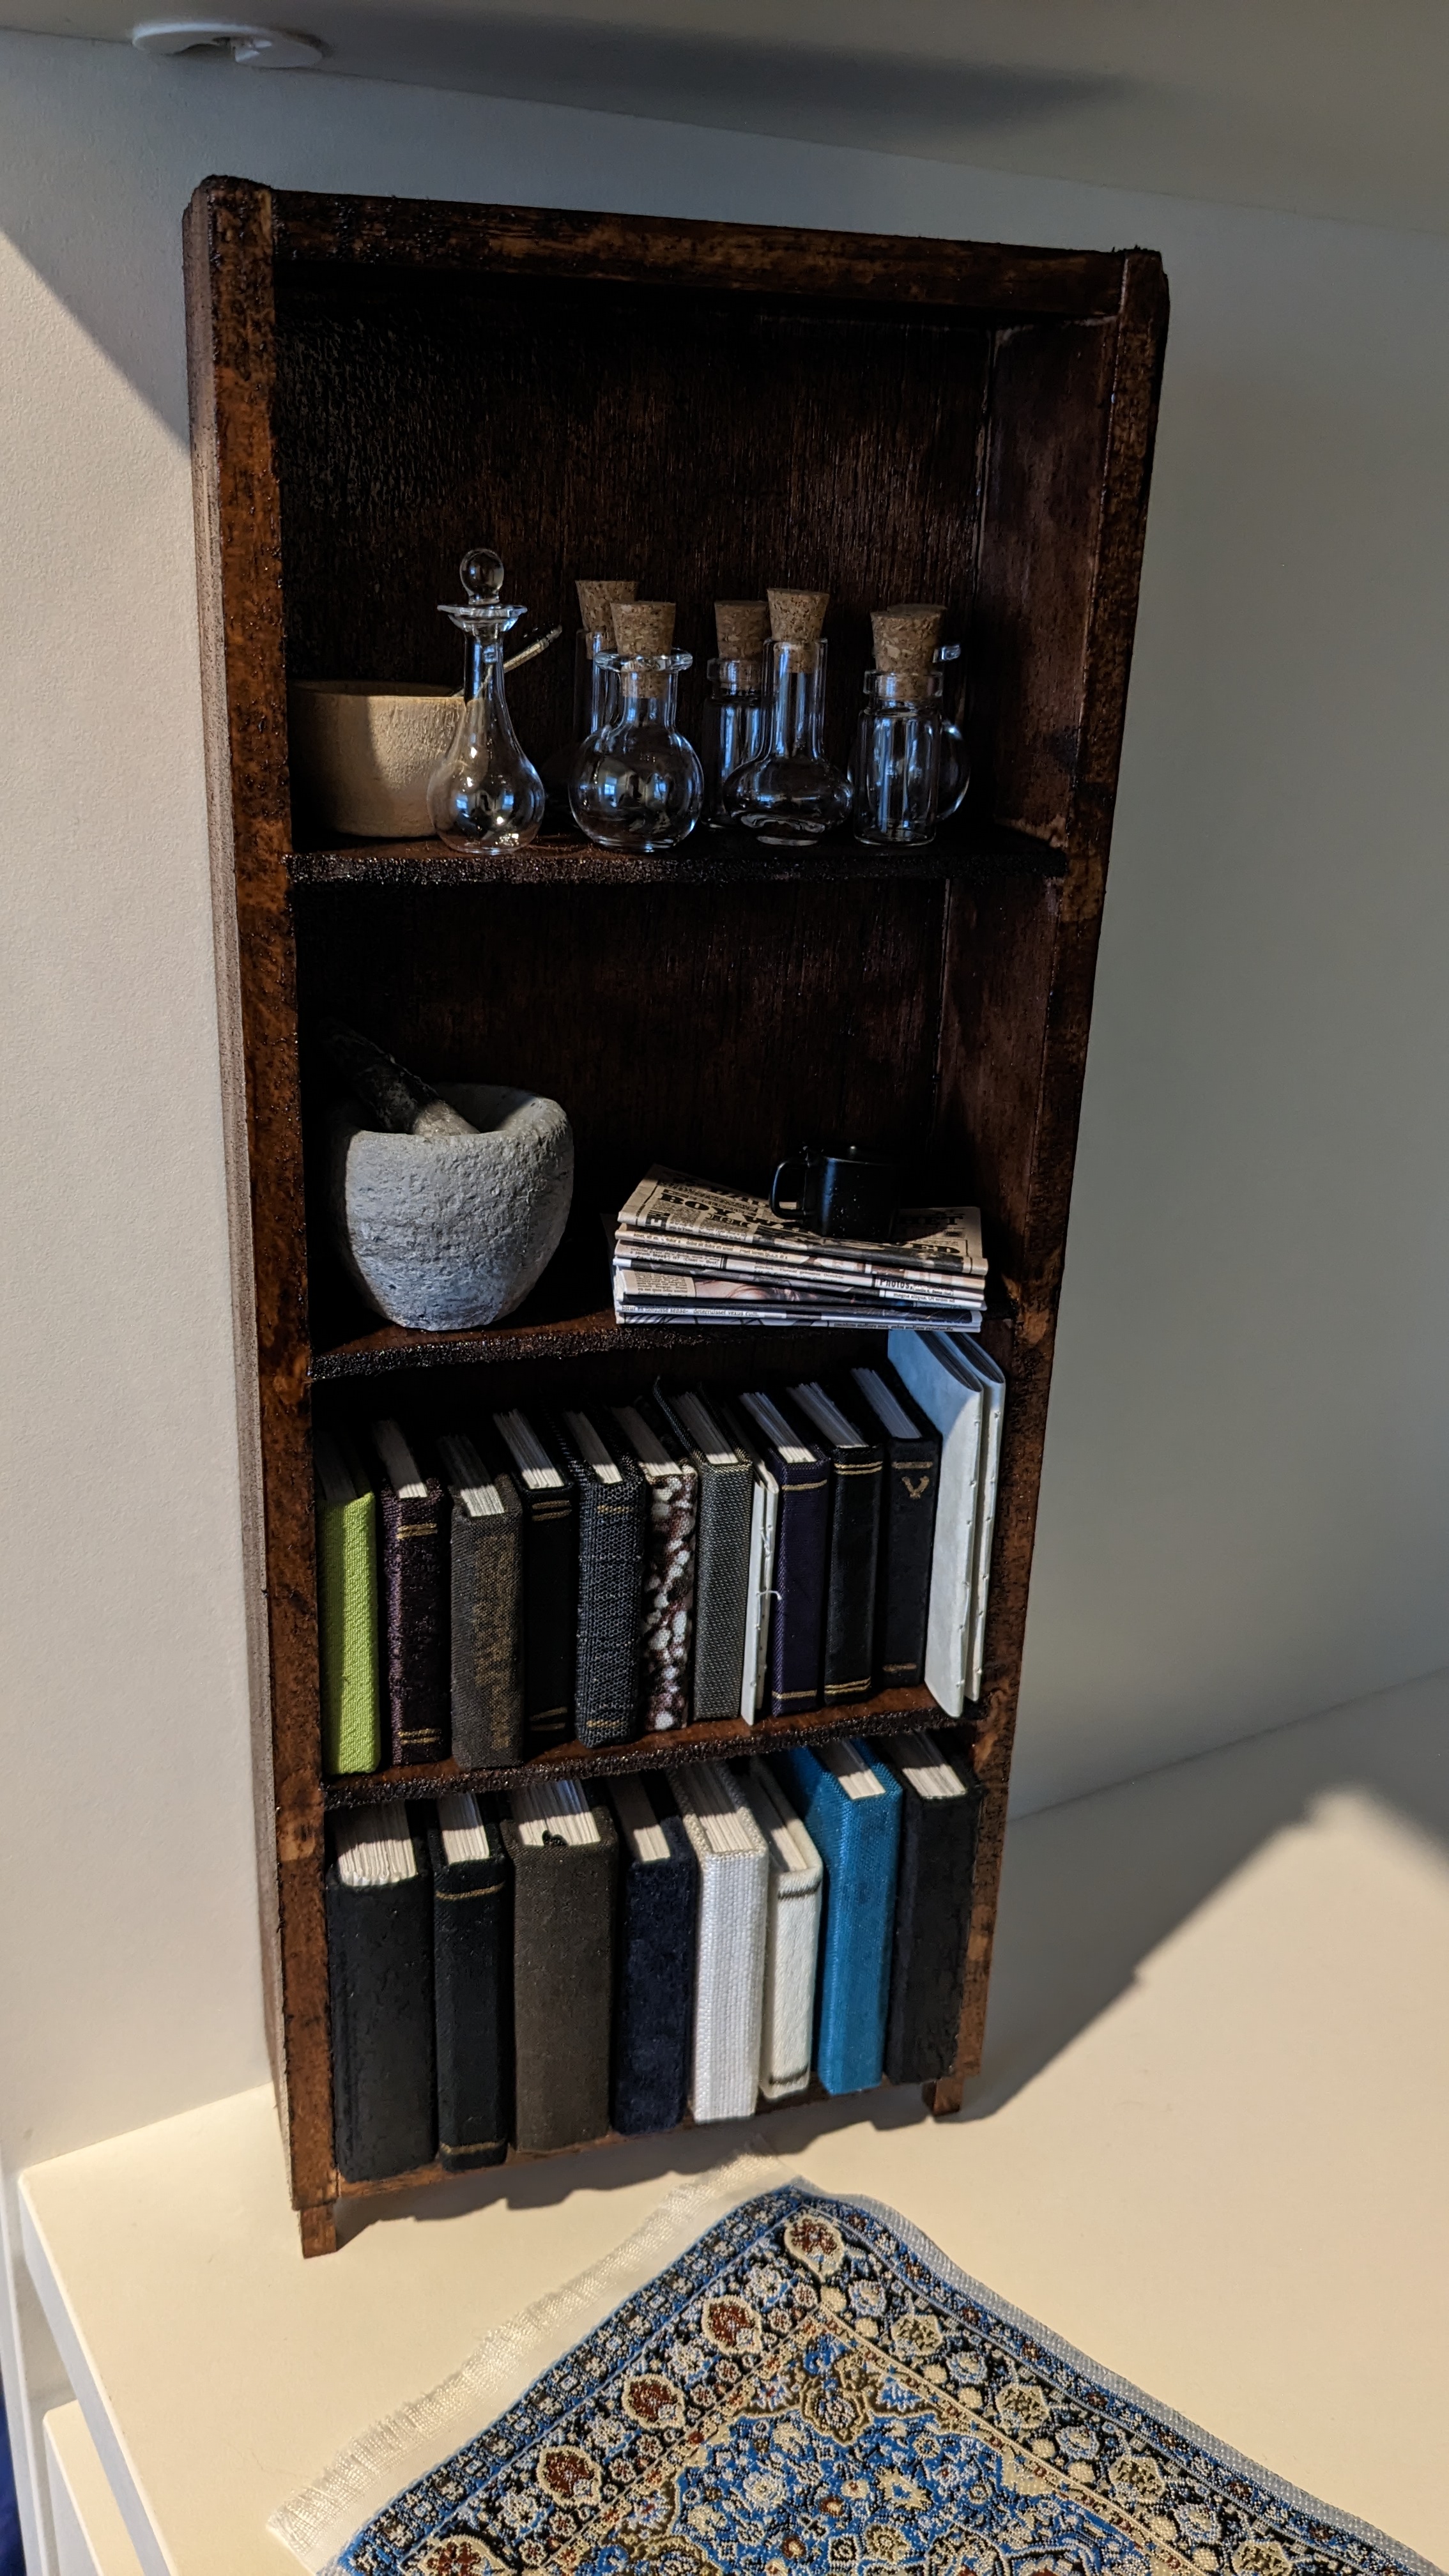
{"x": 654, "y": 1982}
{"x": 801, "y": 1470}
{"x": 851, "y": 1808}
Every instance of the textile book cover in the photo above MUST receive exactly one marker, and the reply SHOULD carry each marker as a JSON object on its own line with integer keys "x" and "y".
{"x": 851, "y": 1809}
{"x": 565, "y": 1856}
{"x": 802, "y": 1547}
{"x": 654, "y": 1997}
{"x": 792, "y": 1935}
{"x": 933, "y": 1909}
{"x": 722, "y": 1550}
{"x": 486, "y": 1619}
{"x": 550, "y": 1580}
{"x": 472, "y": 1984}
{"x": 907, "y": 1528}
{"x": 347, "y": 1607}
{"x": 954, "y": 1405}
{"x": 380, "y": 1974}
{"x": 672, "y": 1499}
{"x": 613, "y": 1509}
{"x": 413, "y": 1573}
{"x": 730, "y": 1957}
{"x": 857, "y": 1473}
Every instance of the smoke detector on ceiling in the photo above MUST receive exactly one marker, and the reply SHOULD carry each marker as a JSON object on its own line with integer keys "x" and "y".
{"x": 261, "y": 49}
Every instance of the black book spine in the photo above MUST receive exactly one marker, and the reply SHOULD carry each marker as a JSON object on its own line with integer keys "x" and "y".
{"x": 654, "y": 2003}
{"x": 856, "y": 1478}
{"x": 380, "y": 1973}
{"x": 563, "y": 1985}
{"x": 933, "y": 1918}
{"x": 487, "y": 1634}
{"x": 473, "y": 2006}
{"x": 802, "y": 1543}
{"x": 550, "y": 1614}
{"x": 417, "y": 1623}
{"x": 908, "y": 1529}
{"x": 613, "y": 1522}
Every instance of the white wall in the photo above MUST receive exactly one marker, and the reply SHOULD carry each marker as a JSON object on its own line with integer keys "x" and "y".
{"x": 1247, "y": 1468}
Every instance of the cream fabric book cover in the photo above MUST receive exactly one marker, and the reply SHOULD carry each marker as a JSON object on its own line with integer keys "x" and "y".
{"x": 734, "y": 1872}
{"x": 957, "y": 1408}
{"x": 792, "y": 1937}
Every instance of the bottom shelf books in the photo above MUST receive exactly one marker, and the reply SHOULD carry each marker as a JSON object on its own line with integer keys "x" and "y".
{"x": 538, "y": 1970}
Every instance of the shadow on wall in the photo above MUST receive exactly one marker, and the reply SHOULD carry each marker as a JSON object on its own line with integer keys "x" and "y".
{"x": 1091, "y": 1890}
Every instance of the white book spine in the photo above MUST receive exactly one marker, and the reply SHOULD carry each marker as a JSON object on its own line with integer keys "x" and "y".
{"x": 729, "y": 1979}
{"x": 956, "y": 1410}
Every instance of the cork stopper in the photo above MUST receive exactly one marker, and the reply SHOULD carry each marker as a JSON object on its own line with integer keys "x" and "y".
{"x": 906, "y": 635}
{"x": 796, "y": 616}
{"x": 596, "y": 598}
{"x": 643, "y": 625}
{"x": 741, "y": 626}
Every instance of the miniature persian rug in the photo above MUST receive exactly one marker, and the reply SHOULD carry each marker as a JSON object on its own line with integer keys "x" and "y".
{"x": 805, "y": 2385}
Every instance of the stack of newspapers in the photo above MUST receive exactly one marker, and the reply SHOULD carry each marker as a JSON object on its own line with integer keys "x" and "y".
{"x": 685, "y": 1253}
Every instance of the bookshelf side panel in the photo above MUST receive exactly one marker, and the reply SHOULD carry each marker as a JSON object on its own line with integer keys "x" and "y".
{"x": 230, "y": 348}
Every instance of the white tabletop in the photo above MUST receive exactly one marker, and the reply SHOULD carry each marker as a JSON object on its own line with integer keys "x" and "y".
{"x": 1208, "y": 2149}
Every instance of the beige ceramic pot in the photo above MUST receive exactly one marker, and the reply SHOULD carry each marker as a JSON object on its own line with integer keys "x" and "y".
{"x": 363, "y": 755}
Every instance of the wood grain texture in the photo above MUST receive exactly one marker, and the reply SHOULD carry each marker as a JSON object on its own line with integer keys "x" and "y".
{"x": 378, "y": 384}
{"x": 231, "y": 349}
{"x": 990, "y": 279}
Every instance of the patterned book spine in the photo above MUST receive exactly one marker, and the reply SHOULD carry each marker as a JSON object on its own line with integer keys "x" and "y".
{"x": 721, "y": 1581}
{"x": 611, "y": 1570}
{"x": 668, "y": 1595}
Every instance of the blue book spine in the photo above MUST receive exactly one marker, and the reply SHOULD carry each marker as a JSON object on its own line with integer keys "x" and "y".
{"x": 859, "y": 1841}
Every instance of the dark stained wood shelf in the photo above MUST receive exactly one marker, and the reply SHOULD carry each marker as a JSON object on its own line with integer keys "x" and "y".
{"x": 722, "y": 1740}
{"x": 708, "y": 409}
{"x": 706, "y": 858}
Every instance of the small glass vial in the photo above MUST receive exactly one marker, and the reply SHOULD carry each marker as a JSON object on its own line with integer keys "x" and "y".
{"x": 486, "y": 796}
{"x": 637, "y": 783}
{"x": 790, "y": 795}
{"x": 897, "y": 771}
{"x": 734, "y": 725}
{"x": 595, "y": 687}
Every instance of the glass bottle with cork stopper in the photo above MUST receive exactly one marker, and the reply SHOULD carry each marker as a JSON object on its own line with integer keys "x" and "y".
{"x": 897, "y": 770}
{"x": 790, "y": 795}
{"x": 636, "y": 784}
{"x": 486, "y": 796}
{"x": 734, "y": 714}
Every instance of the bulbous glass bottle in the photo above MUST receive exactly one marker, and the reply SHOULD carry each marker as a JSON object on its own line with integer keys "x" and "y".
{"x": 637, "y": 783}
{"x": 487, "y": 795}
{"x": 791, "y": 795}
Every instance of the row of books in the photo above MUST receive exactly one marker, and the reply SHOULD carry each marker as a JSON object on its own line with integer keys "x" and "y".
{"x": 685, "y": 1252}
{"x": 542, "y": 1969}
{"x": 496, "y": 1590}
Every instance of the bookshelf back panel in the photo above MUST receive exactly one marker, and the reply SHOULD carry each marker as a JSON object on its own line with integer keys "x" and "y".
{"x": 703, "y": 443}
{"x": 714, "y": 1029}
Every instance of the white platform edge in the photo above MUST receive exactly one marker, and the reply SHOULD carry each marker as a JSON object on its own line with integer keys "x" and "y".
{"x": 91, "y": 2538}
{"x": 105, "y": 2435}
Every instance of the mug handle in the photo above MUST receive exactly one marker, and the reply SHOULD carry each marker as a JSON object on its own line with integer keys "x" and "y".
{"x": 788, "y": 1176}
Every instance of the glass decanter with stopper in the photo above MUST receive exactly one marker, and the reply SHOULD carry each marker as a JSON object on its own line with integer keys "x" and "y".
{"x": 734, "y": 711}
{"x": 909, "y": 764}
{"x": 486, "y": 796}
{"x": 791, "y": 795}
{"x": 637, "y": 783}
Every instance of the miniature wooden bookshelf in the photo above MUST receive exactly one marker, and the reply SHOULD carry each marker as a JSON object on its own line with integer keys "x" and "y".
{"x": 378, "y": 384}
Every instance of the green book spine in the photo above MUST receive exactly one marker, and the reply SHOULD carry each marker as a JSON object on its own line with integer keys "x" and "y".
{"x": 347, "y": 1575}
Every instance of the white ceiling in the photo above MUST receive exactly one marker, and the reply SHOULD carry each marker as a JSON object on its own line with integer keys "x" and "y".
{"x": 1325, "y": 107}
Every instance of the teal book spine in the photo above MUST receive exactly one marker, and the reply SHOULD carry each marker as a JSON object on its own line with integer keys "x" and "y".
{"x": 859, "y": 1841}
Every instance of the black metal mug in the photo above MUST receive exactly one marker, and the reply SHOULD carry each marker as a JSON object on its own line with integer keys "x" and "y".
{"x": 845, "y": 1192}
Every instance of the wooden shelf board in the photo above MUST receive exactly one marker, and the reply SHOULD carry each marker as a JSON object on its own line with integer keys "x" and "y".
{"x": 422, "y": 2175}
{"x": 707, "y": 858}
{"x": 721, "y": 1740}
